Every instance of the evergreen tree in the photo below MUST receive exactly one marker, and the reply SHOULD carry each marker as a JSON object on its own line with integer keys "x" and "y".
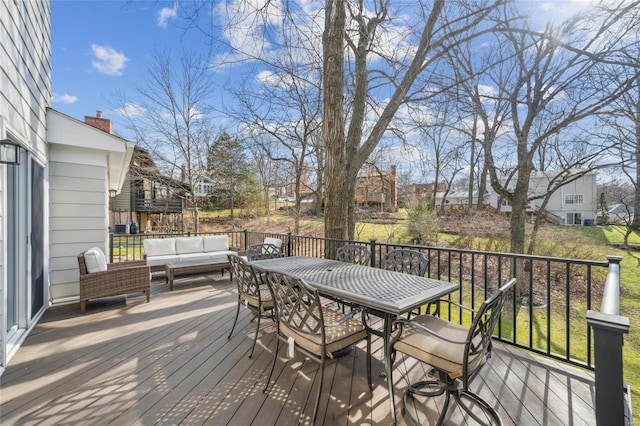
{"x": 229, "y": 171}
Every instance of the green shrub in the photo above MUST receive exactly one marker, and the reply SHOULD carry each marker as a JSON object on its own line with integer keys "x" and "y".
{"x": 423, "y": 223}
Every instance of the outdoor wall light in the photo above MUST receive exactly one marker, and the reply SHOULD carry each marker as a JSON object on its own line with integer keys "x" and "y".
{"x": 113, "y": 193}
{"x": 9, "y": 152}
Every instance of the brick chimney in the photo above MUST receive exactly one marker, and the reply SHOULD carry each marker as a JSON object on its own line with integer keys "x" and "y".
{"x": 98, "y": 122}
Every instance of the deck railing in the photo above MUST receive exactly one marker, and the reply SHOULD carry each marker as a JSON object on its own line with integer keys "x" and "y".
{"x": 613, "y": 396}
{"x": 546, "y": 314}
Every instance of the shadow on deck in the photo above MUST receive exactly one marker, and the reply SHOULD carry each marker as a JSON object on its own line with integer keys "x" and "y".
{"x": 170, "y": 362}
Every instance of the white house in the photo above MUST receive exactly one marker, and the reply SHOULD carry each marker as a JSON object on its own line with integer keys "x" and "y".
{"x": 54, "y": 200}
{"x": 573, "y": 203}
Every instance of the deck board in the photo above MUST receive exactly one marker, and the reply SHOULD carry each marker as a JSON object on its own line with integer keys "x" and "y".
{"x": 170, "y": 362}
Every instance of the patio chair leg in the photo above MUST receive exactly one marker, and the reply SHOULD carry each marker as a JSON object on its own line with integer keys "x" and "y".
{"x": 235, "y": 320}
{"x": 420, "y": 388}
{"x": 255, "y": 338}
{"x": 148, "y": 292}
{"x": 369, "y": 362}
{"x": 273, "y": 364}
{"x": 486, "y": 408}
{"x": 315, "y": 408}
{"x": 83, "y": 305}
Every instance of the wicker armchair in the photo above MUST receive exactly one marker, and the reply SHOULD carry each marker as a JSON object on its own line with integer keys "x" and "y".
{"x": 119, "y": 278}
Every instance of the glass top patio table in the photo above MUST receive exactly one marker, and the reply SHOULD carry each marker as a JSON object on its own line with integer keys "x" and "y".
{"x": 387, "y": 291}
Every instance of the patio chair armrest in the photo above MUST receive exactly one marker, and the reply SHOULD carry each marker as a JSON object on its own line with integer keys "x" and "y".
{"x": 239, "y": 250}
{"x": 437, "y": 303}
{"x": 126, "y": 264}
{"x": 119, "y": 273}
{"x": 346, "y": 317}
{"x": 403, "y": 322}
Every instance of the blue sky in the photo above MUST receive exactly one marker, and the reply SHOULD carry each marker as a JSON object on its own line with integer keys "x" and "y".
{"x": 101, "y": 47}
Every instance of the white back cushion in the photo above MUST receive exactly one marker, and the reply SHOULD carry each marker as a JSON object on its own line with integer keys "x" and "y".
{"x": 216, "y": 243}
{"x": 159, "y": 247}
{"x": 94, "y": 260}
{"x": 275, "y": 241}
{"x": 189, "y": 245}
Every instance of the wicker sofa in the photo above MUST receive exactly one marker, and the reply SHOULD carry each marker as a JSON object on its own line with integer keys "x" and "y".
{"x": 160, "y": 251}
{"x": 101, "y": 280}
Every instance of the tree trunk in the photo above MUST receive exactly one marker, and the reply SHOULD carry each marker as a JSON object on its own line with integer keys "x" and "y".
{"x": 336, "y": 176}
{"x": 482, "y": 187}
{"x": 635, "y": 224}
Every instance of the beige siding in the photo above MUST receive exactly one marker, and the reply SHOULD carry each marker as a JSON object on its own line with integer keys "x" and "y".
{"x": 25, "y": 93}
{"x": 78, "y": 217}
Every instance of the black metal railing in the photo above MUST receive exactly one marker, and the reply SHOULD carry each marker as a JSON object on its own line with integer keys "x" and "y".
{"x": 547, "y": 313}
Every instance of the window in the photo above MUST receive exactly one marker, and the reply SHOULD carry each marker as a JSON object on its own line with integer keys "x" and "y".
{"x": 574, "y": 218}
{"x": 573, "y": 199}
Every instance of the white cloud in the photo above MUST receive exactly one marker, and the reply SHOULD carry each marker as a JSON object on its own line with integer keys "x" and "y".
{"x": 64, "y": 99}
{"x": 131, "y": 109}
{"x": 167, "y": 14}
{"x": 107, "y": 60}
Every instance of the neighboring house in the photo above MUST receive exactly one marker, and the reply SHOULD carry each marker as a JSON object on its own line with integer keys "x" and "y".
{"x": 377, "y": 189}
{"x": 574, "y": 203}
{"x": 412, "y": 193}
{"x": 54, "y": 202}
{"x": 459, "y": 199}
{"x": 148, "y": 199}
{"x": 621, "y": 214}
{"x": 204, "y": 187}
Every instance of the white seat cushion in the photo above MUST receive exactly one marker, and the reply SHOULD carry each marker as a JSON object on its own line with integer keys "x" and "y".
{"x": 275, "y": 241}
{"x": 216, "y": 243}
{"x": 194, "y": 256}
{"x": 221, "y": 256}
{"x": 162, "y": 260}
{"x": 94, "y": 260}
{"x": 159, "y": 247}
{"x": 186, "y": 245}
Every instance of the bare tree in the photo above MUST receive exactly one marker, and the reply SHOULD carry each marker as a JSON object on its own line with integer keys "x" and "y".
{"x": 171, "y": 120}
{"x": 623, "y": 194}
{"x": 623, "y": 125}
{"x": 349, "y": 147}
{"x": 562, "y": 77}
{"x": 439, "y": 145}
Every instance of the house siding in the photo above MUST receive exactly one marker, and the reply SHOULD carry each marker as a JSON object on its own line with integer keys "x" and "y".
{"x": 78, "y": 214}
{"x": 25, "y": 93}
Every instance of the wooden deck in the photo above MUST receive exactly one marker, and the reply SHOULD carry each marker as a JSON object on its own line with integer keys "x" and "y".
{"x": 170, "y": 362}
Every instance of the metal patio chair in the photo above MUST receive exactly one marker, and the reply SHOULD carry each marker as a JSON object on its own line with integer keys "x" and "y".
{"x": 406, "y": 261}
{"x": 311, "y": 328}
{"x": 263, "y": 251}
{"x": 354, "y": 253}
{"x": 455, "y": 352}
{"x": 251, "y": 292}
